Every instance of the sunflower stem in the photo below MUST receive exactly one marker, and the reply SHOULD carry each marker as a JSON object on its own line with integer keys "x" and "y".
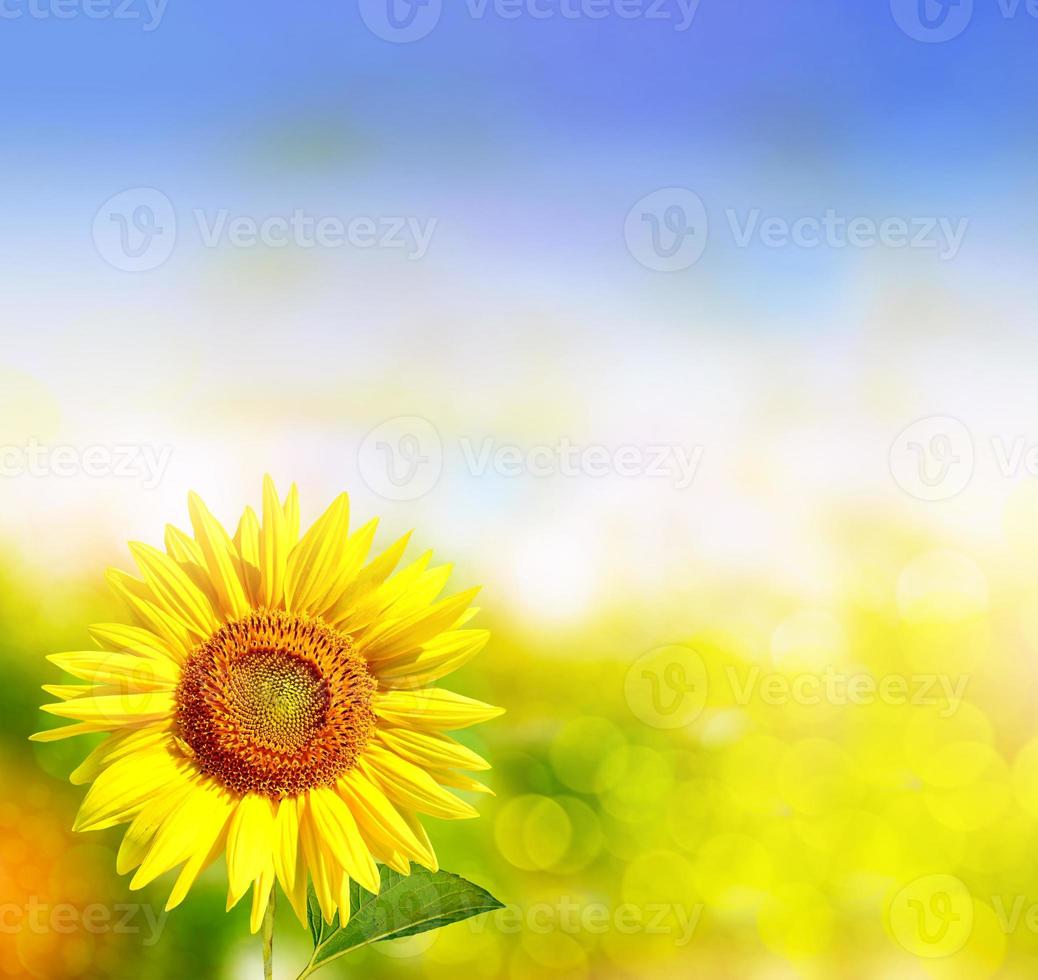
{"x": 268, "y": 939}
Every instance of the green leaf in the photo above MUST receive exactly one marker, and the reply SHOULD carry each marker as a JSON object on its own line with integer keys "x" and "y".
{"x": 404, "y": 906}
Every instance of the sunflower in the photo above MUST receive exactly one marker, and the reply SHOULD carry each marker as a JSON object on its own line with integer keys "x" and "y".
{"x": 273, "y": 703}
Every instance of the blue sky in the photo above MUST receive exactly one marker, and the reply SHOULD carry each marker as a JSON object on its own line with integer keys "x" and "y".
{"x": 813, "y": 72}
{"x": 529, "y": 138}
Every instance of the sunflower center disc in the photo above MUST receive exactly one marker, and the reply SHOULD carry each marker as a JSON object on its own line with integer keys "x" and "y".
{"x": 278, "y": 699}
{"x": 275, "y": 703}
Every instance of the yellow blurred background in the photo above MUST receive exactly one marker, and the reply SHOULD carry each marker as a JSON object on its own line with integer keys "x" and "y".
{"x": 814, "y": 755}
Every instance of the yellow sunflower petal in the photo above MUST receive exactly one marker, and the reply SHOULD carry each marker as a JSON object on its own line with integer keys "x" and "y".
{"x": 115, "y": 710}
{"x": 405, "y": 635}
{"x": 380, "y": 851}
{"x": 247, "y": 537}
{"x": 466, "y": 617}
{"x": 137, "y": 839}
{"x": 134, "y": 639}
{"x": 201, "y": 817}
{"x": 68, "y": 731}
{"x": 103, "y": 667}
{"x": 338, "y": 828}
{"x": 260, "y": 897}
{"x": 377, "y": 818}
{"x": 432, "y": 708}
{"x": 410, "y": 786}
{"x": 66, "y": 691}
{"x": 457, "y": 780}
{"x": 209, "y": 845}
{"x": 289, "y": 863}
{"x": 173, "y": 591}
{"x": 314, "y": 562}
{"x": 422, "y": 834}
{"x": 115, "y": 747}
{"x": 297, "y": 894}
{"x": 344, "y": 899}
{"x": 421, "y": 592}
{"x": 184, "y": 550}
{"x": 286, "y": 832}
{"x": 320, "y": 864}
{"x": 220, "y": 558}
{"x": 366, "y": 582}
{"x": 182, "y": 547}
{"x": 122, "y": 790}
{"x": 431, "y": 751}
{"x": 292, "y": 515}
{"x": 432, "y": 660}
{"x": 274, "y": 547}
{"x": 167, "y": 627}
{"x": 348, "y": 564}
{"x": 371, "y": 606}
{"x": 247, "y": 543}
{"x": 201, "y": 810}
{"x": 250, "y": 844}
